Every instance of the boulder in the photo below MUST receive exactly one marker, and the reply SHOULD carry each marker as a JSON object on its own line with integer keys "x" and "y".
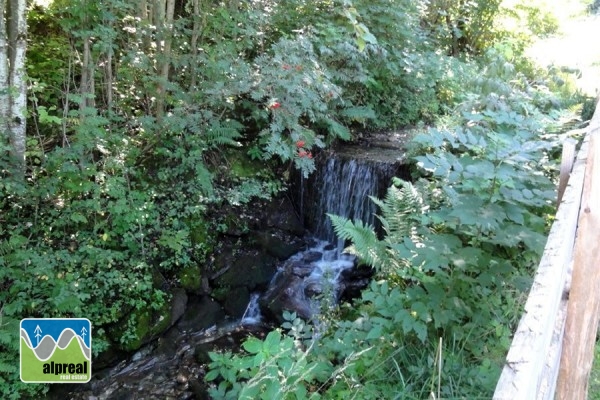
{"x": 286, "y": 294}
{"x": 277, "y": 246}
{"x": 201, "y": 313}
{"x": 281, "y": 215}
{"x": 147, "y": 324}
{"x": 354, "y": 280}
{"x": 250, "y": 269}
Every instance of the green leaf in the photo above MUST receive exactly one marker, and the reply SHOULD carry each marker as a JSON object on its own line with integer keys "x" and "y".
{"x": 78, "y": 217}
{"x": 252, "y": 345}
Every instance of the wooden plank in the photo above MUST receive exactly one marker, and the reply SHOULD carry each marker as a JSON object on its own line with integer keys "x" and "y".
{"x": 584, "y": 298}
{"x": 566, "y": 165}
{"x": 532, "y": 361}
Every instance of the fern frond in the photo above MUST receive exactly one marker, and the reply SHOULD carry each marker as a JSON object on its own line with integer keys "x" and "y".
{"x": 398, "y": 209}
{"x": 365, "y": 243}
{"x": 223, "y": 133}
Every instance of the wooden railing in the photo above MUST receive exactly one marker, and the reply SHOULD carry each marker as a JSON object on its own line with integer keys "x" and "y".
{"x": 552, "y": 350}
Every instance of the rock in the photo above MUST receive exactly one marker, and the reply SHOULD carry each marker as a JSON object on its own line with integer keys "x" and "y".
{"x": 311, "y": 256}
{"x": 280, "y": 248}
{"x": 281, "y": 215}
{"x": 356, "y": 273}
{"x": 178, "y": 304}
{"x": 236, "y": 302}
{"x": 190, "y": 278}
{"x": 250, "y": 269}
{"x": 201, "y": 313}
{"x": 201, "y": 352}
{"x": 199, "y": 389}
{"x": 286, "y": 294}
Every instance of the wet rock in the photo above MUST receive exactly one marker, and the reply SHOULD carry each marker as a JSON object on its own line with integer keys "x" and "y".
{"x": 236, "y": 302}
{"x": 300, "y": 269}
{"x": 311, "y": 256}
{"x": 281, "y": 215}
{"x": 354, "y": 281}
{"x": 278, "y": 247}
{"x": 312, "y": 289}
{"x": 181, "y": 379}
{"x": 251, "y": 269}
{"x": 200, "y": 314}
{"x": 286, "y": 294}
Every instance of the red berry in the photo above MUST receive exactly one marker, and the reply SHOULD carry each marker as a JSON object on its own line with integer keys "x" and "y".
{"x": 300, "y": 143}
{"x": 286, "y": 66}
{"x": 309, "y": 154}
{"x": 275, "y": 106}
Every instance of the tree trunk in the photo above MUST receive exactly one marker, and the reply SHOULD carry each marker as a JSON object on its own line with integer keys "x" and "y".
{"x": 87, "y": 87}
{"x": 13, "y": 99}
{"x": 194, "y": 43}
{"x": 164, "y": 11}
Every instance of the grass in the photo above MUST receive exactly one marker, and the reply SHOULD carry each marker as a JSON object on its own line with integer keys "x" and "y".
{"x": 594, "y": 383}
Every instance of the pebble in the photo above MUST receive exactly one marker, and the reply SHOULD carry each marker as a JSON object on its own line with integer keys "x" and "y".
{"x": 182, "y": 379}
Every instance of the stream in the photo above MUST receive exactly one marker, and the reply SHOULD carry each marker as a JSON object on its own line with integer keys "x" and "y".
{"x": 172, "y": 366}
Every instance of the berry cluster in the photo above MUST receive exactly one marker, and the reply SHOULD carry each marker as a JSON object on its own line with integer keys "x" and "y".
{"x": 301, "y": 151}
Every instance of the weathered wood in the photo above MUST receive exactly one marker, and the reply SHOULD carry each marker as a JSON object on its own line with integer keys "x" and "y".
{"x": 532, "y": 362}
{"x": 566, "y": 165}
{"x": 584, "y": 298}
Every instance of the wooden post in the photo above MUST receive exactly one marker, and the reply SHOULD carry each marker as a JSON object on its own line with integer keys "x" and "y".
{"x": 584, "y": 299}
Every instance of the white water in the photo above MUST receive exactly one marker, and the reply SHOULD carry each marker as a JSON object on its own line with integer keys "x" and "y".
{"x": 341, "y": 186}
{"x": 252, "y": 314}
{"x": 344, "y": 187}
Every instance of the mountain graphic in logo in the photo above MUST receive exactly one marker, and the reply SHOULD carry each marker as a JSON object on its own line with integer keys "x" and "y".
{"x": 55, "y": 350}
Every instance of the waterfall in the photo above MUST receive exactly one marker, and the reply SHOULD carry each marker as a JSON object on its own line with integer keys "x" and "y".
{"x": 319, "y": 275}
{"x": 342, "y": 186}
{"x": 252, "y": 314}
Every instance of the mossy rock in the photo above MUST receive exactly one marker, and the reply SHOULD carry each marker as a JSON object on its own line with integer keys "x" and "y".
{"x": 190, "y": 278}
{"x": 241, "y": 166}
{"x": 201, "y": 234}
{"x": 147, "y": 324}
{"x": 141, "y": 326}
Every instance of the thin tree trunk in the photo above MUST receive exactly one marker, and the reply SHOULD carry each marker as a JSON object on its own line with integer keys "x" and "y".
{"x": 13, "y": 100}
{"x": 4, "y": 76}
{"x": 86, "y": 87}
{"x": 194, "y": 43}
{"x": 164, "y": 11}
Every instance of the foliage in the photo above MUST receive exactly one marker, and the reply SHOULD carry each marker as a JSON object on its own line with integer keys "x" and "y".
{"x": 454, "y": 264}
{"x": 127, "y": 150}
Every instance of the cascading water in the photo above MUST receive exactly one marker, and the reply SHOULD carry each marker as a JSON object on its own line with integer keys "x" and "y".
{"x": 342, "y": 187}
{"x": 252, "y": 314}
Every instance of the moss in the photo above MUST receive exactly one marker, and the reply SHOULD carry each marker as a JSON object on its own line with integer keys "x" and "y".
{"x": 161, "y": 320}
{"x": 202, "y": 235}
{"x": 141, "y": 326}
{"x": 241, "y": 166}
{"x": 190, "y": 278}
